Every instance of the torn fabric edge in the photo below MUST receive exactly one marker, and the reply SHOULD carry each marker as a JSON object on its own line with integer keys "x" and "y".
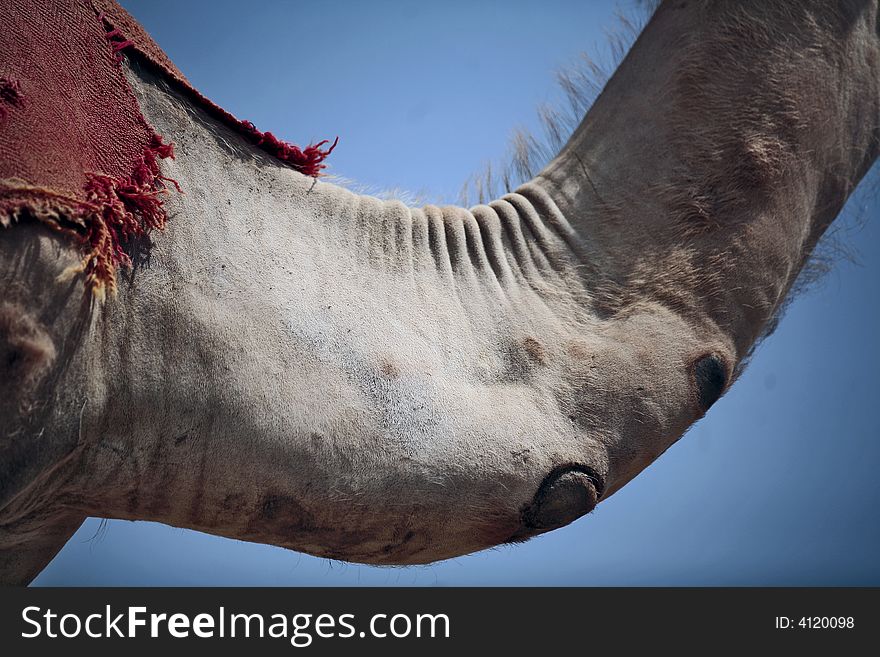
{"x": 115, "y": 210}
{"x": 308, "y": 161}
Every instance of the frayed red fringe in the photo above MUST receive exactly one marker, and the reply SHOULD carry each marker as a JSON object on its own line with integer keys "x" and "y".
{"x": 118, "y": 46}
{"x": 308, "y": 161}
{"x": 123, "y": 209}
{"x": 10, "y": 94}
{"x": 116, "y": 38}
{"x": 115, "y": 211}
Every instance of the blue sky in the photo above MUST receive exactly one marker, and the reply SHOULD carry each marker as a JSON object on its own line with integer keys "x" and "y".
{"x": 776, "y": 486}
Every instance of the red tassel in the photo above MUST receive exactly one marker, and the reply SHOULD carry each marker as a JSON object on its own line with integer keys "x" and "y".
{"x": 308, "y": 161}
{"x": 117, "y": 46}
{"x": 123, "y": 208}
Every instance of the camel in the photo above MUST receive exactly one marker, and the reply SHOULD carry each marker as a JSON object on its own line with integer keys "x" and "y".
{"x": 292, "y": 363}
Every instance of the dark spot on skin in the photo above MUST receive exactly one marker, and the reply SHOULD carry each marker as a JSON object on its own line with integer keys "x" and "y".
{"x": 578, "y": 350}
{"x": 535, "y": 350}
{"x": 27, "y": 353}
{"x": 710, "y": 377}
{"x": 271, "y": 506}
{"x": 523, "y": 455}
{"x": 280, "y": 516}
{"x": 232, "y": 501}
{"x": 393, "y": 547}
{"x": 520, "y": 358}
{"x": 389, "y": 370}
{"x": 567, "y": 493}
{"x": 132, "y": 500}
{"x": 25, "y": 346}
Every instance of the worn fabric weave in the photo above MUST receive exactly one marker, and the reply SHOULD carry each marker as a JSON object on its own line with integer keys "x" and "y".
{"x": 75, "y": 151}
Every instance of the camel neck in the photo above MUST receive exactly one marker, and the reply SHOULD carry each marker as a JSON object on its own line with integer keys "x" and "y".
{"x": 704, "y": 175}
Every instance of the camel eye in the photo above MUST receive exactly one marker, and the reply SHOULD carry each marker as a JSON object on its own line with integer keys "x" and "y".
{"x": 710, "y": 377}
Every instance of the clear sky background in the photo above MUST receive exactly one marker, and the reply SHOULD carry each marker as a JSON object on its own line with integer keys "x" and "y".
{"x": 778, "y": 485}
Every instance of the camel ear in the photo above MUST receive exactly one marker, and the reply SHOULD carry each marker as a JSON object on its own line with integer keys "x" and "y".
{"x": 27, "y": 353}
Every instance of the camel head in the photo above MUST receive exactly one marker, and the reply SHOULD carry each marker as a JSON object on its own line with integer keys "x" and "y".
{"x": 270, "y": 357}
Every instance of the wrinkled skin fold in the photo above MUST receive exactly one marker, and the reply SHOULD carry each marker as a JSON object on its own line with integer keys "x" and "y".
{"x": 294, "y": 364}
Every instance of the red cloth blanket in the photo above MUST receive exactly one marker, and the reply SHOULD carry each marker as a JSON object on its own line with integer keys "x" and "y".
{"x": 75, "y": 151}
